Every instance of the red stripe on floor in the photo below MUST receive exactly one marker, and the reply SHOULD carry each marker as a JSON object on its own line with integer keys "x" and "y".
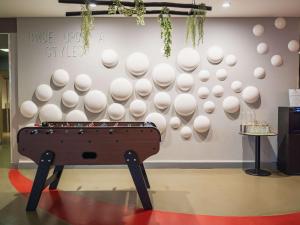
{"x": 80, "y": 210}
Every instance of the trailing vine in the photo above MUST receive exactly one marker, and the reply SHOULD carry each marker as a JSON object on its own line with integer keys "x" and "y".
{"x": 87, "y": 23}
{"x": 166, "y": 30}
{"x": 195, "y": 25}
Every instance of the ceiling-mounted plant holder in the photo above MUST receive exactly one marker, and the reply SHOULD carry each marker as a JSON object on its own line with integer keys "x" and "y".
{"x": 87, "y": 23}
{"x": 164, "y": 19}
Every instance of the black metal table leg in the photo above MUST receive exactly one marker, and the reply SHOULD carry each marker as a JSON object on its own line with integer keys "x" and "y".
{"x": 40, "y": 180}
{"x": 257, "y": 171}
{"x": 145, "y": 175}
{"x": 57, "y": 171}
{"x": 134, "y": 166}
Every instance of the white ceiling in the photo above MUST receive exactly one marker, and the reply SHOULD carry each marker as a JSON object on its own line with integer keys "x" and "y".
{"x": 239, "y": 8}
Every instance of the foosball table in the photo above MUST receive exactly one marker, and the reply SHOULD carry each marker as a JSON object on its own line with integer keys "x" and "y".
{"x": 88, "y": 143}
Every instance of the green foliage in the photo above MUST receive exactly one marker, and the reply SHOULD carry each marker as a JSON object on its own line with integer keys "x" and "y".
{"x": 87, "y": 23}
{"x": 138, "y": 10}
{"x": 195, "y": 25}
{"x": 166, "y": 30}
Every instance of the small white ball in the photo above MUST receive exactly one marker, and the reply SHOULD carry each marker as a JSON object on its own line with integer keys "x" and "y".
{"x": 70, "y": 98}
{"x": 262, "y": 48}
{"x": 137, "y": 64}
{"x": 221, "y": 74}
{"x": 280, "y": 23}
{"x": 215, "y": 54}
{"x": 294, "y": 46}
{"x": 237, "y": 86}
{"x": 162, "y": 100}
{"x": 184, "y": 82}
{"x": 204, "y": 75}
{"x": 276, "y": 60}
{"x": 175, "y": 122}
{"x": 163, "y": 75}
{"x": 209, "y": 107}
{"x": 231, "y": 104}
{"x": 231, "y": 60}
{"x": 50, "y": 113}
{"x": 250, "y": 94}
{"x": 186, "y": 132}
{"x": 28, "y": 109}
{"x": 60, "y": 77}
{"x": 185, "y": 104}
{"x": 137, "y": 108}
{"x": 95, "y": 101}
{"x": 159, "y": 121}
{"x": 143, "y": 87}
{"x": 218, "y": 91}
{"x": 83, "y": 82}
{"x": 109, "y": 58}
{"x": 201, "y": 124}
{"x": 203, "y": 92}
{"x": 76, "y": 116}
{"x": 121, "y": 89}
{"x": 116, "y": 111}
{"x": 259, "y": 73}
{"x": 258, "y": 30}
{"x": 188, "y": 59}
{"x": 43, "y": 92}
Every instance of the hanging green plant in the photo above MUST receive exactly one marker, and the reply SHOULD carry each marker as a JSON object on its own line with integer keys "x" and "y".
{"x": 195, "y": 25}
{"x": 164, "y": 19}
{"x": 87, "y": 23}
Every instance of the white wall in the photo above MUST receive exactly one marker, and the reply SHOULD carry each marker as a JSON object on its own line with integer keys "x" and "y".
{"x": 36, "y": 62}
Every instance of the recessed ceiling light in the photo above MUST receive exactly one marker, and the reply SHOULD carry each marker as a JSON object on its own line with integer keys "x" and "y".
{"x": 93, "y": 5}
{"x": 226, "y": 4}
{"x": 4, "y": 50}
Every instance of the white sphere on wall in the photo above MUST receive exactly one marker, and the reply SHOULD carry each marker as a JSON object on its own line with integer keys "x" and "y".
{"x": 209, "y": 107}
{"x": 258, "y": 30}
{"x": 185, "y": 82}
{"x": 231, "y": 104}
{"x": 143, "y": 87}
{"x": 162, "y": 100}
{"x": 121, "y": 89}
{"x": 137, "y": 64}
{"x": 276, "y": 60}
{"x": 137, "y": 108}
{"x": 262, "y": 48}
{"x": 218, "y": 91}
{"x": 76, "y": 116}
{"x": 83, "y": 82}
{"x": 28, "y": 109}
{"x": 70, "y": 98}
{"x": 294, "y": 46}
{"x": 221, "y": 74}
{"x": 201, "y": 124}
{"x": 43, "y": 92}
{"x": 109, "y": 58}
{"x": 185, "y": 104}
{"x": 280, "y": 23}
{"x": 204, "y": 75}
{"x": 237, "y": 86}
{"x": 50, "y": 113}
{"x": 175, "y": 122}
{"x": 259, "y": 73}
{"x": 116, "y": 111}
{"x": 231, "y": 60}
{"x": 188, "y": 59}
{"x": 95, "y": 101}
{"x": 215, "y": 54}
{"x": 203, "y": 92}
{"x": 186, "y": 132}
{"x": 159, "y": 121}
{"x": 163, "y": 74}
{"x": 250, "y": 94}
{"x": 60, "y": 77}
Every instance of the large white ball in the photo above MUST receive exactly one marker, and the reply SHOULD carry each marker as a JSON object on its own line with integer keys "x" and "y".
{"x": 43, "y": 92}
{"x": 276, "y": 60}
{"x": 204, "y": 75}
{"x": 250, "y": 94}
{"x": 137, "y": 64}
{"x": 201, "y": 124}
{"x": 83, "y": 82}
{"x": 203, "y": 92}
{"x": 163, "y": 75}
{"x": 262, "y": 48}
{"x": 159, "y": 121}
{"x": 121, "y": 89}
{"x": 143, "y": 87}
{"x": 294, "y": 46}
{"x": 185, "y": 82}
{"x": 188, "y": 59}
{"x": 231, "y": 104}
{"x": 162, "y": 100}
{"x": 186, "y": 132}
{"x": 209, "y": 107}
{"x": 237, "y": 86}
{"x": 231, "y": 60}
{"x": 280, "y": 23}
{"x": 28, "y": 109}
{"x": 116, "y": 111}
{"x": 218, "y": 91}
{"x": 221, "y": 74}
{"x": 60, "y": 77}
{"x": 215, "y": 54}
{"x": 109, "y": 58}
{"x": 259, "y": 73}
{"x": 185, "y": 104}
{"x": 175, "y": 122}
{"x": 50, "y": 113}
{"x": 95, "y": 101}
{"x": 70, "y": 98}
{"x": 137, "y": 108}
{"x": 258, "y": 30}
{"x": 76, "y": 116}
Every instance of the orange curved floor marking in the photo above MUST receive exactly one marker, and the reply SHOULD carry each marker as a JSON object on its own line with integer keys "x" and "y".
{"x": 80, "y": 210}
